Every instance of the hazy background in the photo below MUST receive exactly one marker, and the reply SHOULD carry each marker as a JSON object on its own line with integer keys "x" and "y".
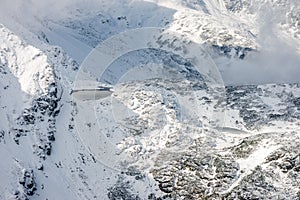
{"x": 278, "y": 60}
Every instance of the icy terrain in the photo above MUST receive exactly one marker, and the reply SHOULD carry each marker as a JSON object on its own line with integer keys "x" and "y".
{"x": 165, "y": 132}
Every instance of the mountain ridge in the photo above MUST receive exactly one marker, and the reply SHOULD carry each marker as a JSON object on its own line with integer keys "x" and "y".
{"x": 170, "y": 138}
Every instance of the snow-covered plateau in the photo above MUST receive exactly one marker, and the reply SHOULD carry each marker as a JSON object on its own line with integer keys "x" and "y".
{"x": 150, "y": 124}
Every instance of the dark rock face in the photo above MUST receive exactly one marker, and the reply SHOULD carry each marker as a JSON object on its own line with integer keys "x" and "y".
{"x": 287, "y": 159}
{"x": 196, "y": 176}
{"x": 296, "y": 102}
{"x": 27, "y": 181}
{"x": 231, "y": 51}
{"x": 121, "y": 191}
{"x": 47, "y": 107}
{"x": 245, "y": 147}
{"x": 2, "y": 134}
{"x": 233, "y": 5}
{"x": 253, "y": 186}
{"x": 203, "y": 172}
{"x": 43, "y": 111}
{"x": 293, "y": 20}
{"x": 255, "y": 112}
{"x": 242, "y": 99}
{"x": 135, "y": 172}
{"x": 28, "y": 117}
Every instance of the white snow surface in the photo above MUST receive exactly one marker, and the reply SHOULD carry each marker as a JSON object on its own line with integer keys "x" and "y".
{"x": 45, "y": 43}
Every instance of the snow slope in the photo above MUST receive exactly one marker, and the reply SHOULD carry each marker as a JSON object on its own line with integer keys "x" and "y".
{"x": 164, "y": 133}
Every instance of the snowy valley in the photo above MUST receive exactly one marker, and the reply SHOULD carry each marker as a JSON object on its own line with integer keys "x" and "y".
{"x": 166, "y": 129}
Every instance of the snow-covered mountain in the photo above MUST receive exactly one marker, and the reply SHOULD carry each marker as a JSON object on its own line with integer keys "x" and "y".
{"x": 167, "y": 131}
